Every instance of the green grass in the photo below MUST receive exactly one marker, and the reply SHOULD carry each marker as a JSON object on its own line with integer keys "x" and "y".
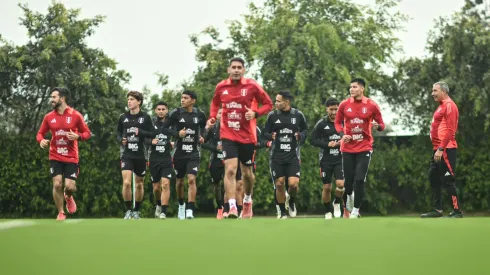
{"x": 253, "y": 247}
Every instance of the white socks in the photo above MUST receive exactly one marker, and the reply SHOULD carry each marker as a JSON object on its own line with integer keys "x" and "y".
{"x": 247, "y": 198}
{"x": 232, "y": 203}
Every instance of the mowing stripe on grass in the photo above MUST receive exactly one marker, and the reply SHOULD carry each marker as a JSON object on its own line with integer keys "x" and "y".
{"x": 15, "y": 224}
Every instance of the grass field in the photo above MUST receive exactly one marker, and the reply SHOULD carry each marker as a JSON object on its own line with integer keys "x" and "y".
{"x": 258, "y": 246}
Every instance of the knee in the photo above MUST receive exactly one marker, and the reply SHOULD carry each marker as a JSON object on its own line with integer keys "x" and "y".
{"x": 179, "y": 182}
{"x": 239, "y": 186}
{"x": 165, "y": 186}
{"x": 248, "y": 175}
{"x": 191, "y": 181}
{"x": 280, "y": 184}
{"x": 231, "y": 172}
{"x": 57, "y": 185}
{"x": 294, "y": 183}
{"x": 70, "y": 187}
{"x": 327, "y": 188}
{"x": 340, "y": 184}
{"x": 156, "y": 187}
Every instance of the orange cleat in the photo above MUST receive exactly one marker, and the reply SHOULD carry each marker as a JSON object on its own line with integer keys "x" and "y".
{"x": 61, "y": 216}
{"x": 233, "y": 212}
{"x": 247, "y": 210}
{"x": 219, "y": 216}
{"x": 346, "y": 213}
{"x": 71, "y": 206}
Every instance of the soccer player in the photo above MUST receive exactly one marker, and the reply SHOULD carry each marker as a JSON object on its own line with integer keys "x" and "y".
{"x": 287, "y": 128}
{"x": 133, "y": 151}
{"x": 239, "y": 97}
{"x": 354, "y": 122}
{"x": 161, "y": 168}
{"x": 212, "y": 142}
{"x": 443, "y": 161}
{"x": 190, "y": 122}
{"x": 67, "y": 128}
{"x": 326, "y": 137}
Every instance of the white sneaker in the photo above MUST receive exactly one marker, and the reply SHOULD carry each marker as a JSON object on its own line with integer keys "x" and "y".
{"x": 278, "y": 211}
{"x": 158, "y": 210}
{"x": 328, "y": 216}
{"x": 188, "y": 214}
{"x": 336, "y": 210}
{"x": 293, "y": 211}
{"x": 354, "y": 214}
{"x": 181, "y": 213}
{"x": 350, "y": 202}
{"x": 162, "y": 216}
{"x": 128, "y": 215}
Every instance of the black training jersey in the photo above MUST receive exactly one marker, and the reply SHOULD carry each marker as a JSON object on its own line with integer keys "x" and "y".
{"x": 160, "y": 152}
{"x": 127, "y": 126}
{"x": 286, "y": 125}
{"x": 194, "y": 123}
{"x": 322, "y": 134}
{"x": 212, "y": 140}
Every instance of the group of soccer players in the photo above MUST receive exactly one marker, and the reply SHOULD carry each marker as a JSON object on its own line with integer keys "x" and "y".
{"x": 175, "y": 138}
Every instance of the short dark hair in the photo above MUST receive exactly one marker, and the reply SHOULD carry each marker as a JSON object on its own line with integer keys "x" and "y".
{"x": 331, "y": 101}
{"x": 62, "y": 92}
{"x": 160, "y": 103}
{"x": 137, "y": 95}
{"x": 286, "y": 95}
{"x": 237, "y": 59}
{"x": 190, "y": 93}
{"x": 360, "y": 81}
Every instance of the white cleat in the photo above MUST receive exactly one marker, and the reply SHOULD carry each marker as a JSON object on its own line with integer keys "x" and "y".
{"x": 188, "y": 214}
{"x": 350, "y": 202}
{"x": 278, "y": 211}
{"x": 162, "y": 216}
{"x": 292, "y": 210}
{"x": 284, "y": 217}
{"x": 128, "y": 215}
{"x": 354, "y": 214}
{"x": 328, "y": 216}
{"x": 158, "y": 211}
{"x": 336, "y": 210}
{"x": 181, "y": 213}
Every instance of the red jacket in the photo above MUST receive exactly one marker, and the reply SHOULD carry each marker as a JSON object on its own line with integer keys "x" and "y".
{"x": 444, "y": 125}
{"x": 233, "y": 98}
{"x": 355, "y": 118}
{"x": 61, "y": 148}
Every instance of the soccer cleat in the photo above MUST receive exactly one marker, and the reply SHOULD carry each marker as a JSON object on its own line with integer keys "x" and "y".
{"x": 278, "y": 211}
{"x": 128, "y": 215}
{"x": 455, "y": 214}
{"x": 292, "y": 210}
{"x": 336, "y": 210}
{"x": 219, "y": 215}
{"x": 162, "y": 216}
{"x": 240, "y": 217}
{"x": 136, "y": 215}
{"x": 328, "y": 216}
{"x": 346, "y": 213}
{"x": 61, "y": 216}
{"x": 71, "y": 206}
{"x": 158, "y": 211}
{"x": 189, "y": 214}
{"x": 247, "y": 212}
{"x": 225, "y": 215}
{"x": 354, "y": 216}
{"x": 432, "y": 214}
{"x": 350, "y": 202}
{"x": 181, "y": 213}
{"x": 283, "y": 217}
{"x": 233, "y": 214}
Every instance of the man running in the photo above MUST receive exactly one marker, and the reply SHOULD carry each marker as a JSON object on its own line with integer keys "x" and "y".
{"x": 287, "y": 128}
{"x": 239, "y": 97}
{"x": 354, "y": 122}
{"x": 133, "y": 152}
{"x": 67, "y": 127}
{"x": 326, "y": 137}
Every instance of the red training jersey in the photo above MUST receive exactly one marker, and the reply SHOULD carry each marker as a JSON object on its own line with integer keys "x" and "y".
{"x": 61, "y": 148}
{"x": 444, "y": 125}
{"x": 354, "y": 118}
{"x": 233, "y": 98}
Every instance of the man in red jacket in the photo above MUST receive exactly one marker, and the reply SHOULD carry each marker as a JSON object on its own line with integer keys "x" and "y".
{"x": 354, "y": 123}
{"x": 443, "y": 162}
{"x": 239, "y": 98}
{"x": 67, "y": 128}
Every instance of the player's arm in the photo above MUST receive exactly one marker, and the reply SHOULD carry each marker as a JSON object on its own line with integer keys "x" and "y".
{"x": 303, "y": 128}
{"x": 83, "y": 130}
{"x": 339, "y": 119}
{"x": 451, "y": 116}
{"x": 377, "y": 117}
{"x": 264, "y": 99}
{"x": 170, "y": 124}
{"x": 261, "y": 143}
{"x": 43, "y": 129}
{"x": 202, "y": 124}
{"x": 208, "y": 141}
{"x": 267, "y": 133}
{"x": 120, "y": 128}
{"x": 215, "y": 104}
{"x": 316, "y": 139}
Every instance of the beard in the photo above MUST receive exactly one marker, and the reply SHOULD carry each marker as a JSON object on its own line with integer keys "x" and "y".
{"x": 56, "y": 105}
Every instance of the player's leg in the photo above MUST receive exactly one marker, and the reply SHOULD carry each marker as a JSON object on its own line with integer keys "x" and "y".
{"x": 448, "y": 164}
{"x": 339, "y": 190}
{"x": 239, "y": 190}
{"x": 326, "y": 173}
{"x": 246, "y": 155}
{"x": 279, "y": 177}
{"x": 230, "y": 154}
{"x": 70, "y": 172}
{"x": 180, "y": 166}
{"x": 362, "y": 166}
{"x": 139, "y": 171}
{"x": 191, "y": 169}
{"x": 293, "y": 173}
{"x": 436, "y": 186}
{"x": 127, "y": 175}
{"x": 165, "y": 197}
{"x": 349, "y": 168}
{"x": 217, "y": 172}
{"x": 56, "y": 172}
{"x": 156, "y": 180}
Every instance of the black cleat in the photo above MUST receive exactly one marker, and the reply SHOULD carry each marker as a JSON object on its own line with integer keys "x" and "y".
{"x": 432, "y": 214}
{"x": 455, "y": 214}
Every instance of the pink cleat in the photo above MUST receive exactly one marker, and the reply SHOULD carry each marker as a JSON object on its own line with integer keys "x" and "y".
{"x": 233, "y": 214}
{"x": 71, "y": 206}
{"x": 247, "y": 210}
{"x": 61, "y": 216}
{"x": 220, "y": 215}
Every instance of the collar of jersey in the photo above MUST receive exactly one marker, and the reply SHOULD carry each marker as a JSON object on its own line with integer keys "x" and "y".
{"x": 364, "y": 99}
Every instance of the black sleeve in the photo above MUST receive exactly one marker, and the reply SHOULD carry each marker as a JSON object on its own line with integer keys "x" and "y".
{"x": 303, "y": 128}
{"x": 202, "y": 124}
{"x": 208, "y": 141}
{"x": 120, "y": 129}
{"x": 170, "y": 124}
{"x": 261, "y": 143}
{"x": 316, "y": 139}
{"x": 267, "y": 134}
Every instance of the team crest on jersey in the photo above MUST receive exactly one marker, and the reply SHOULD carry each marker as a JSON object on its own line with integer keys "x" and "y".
{"x": 68, "y": 119}
{"x": 293, "y": 120}
{"x": 364, "y": 110}
{"x": 195, "y": 120}
{"x": 243, "y": 92}
{"x": 141, "y": 119}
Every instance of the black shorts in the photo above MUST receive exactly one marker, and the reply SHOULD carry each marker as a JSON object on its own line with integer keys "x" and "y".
{"x": 244, "y": 152}
{"x": 356, "y": 165}
{"x": 67, "y": 169}
{"x": 138, "y": 166}
{"x": 445, "y": 169}
{"x": 285, "y": 169}
{"x": 327, "y": 170}
{"x": 217, "y": 171}
{"x": 159, "y": 170}
{"x": 186, "y": 166}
